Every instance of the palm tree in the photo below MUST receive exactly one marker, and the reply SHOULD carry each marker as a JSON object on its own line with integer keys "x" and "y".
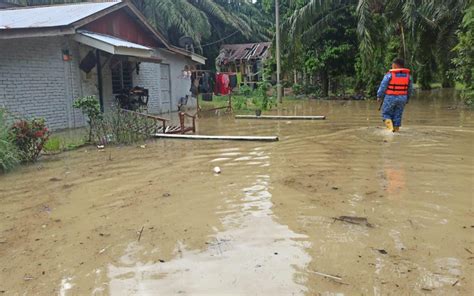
{"x": 205, "y": 20}
{"x": 425, "y": 30}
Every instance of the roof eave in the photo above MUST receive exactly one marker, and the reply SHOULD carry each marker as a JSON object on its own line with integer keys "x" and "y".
{"x": 113, "y": 48}
{"x": 37, "y": 32}
{"x": 193, "y": 56}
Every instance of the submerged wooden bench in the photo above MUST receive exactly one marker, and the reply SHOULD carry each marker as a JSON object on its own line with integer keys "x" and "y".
{"x": 151, "y": 124}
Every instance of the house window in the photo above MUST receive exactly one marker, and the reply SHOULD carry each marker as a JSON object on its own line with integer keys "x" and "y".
{"x": 121, "y": 76}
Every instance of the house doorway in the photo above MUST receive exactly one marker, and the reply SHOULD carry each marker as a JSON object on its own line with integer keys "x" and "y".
{"x": 165, "y": 83}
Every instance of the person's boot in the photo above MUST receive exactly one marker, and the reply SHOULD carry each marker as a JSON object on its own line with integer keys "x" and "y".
{"x": 396, "y": 129}
{"x": 389, "y": 124}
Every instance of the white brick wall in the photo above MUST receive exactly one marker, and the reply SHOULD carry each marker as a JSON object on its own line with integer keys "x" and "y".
{"x": 36, "y": 82}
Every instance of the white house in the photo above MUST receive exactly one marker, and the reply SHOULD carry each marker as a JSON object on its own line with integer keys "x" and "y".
{"x": 50, "y": 55}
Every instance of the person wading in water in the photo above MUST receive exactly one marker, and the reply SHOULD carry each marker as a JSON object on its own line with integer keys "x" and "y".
{"x": 395, "y": 91}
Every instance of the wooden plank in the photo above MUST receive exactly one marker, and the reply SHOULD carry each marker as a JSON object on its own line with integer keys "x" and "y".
{"x": 222, "y": 138}
{"x": 280, "y": 117}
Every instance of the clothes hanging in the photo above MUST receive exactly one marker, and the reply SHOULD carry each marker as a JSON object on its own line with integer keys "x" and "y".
{"x": 224, "y": 84}
{"x": 232, "y": 81}
{"x": 204, "y": 83}
{"x": 239, "y": 78}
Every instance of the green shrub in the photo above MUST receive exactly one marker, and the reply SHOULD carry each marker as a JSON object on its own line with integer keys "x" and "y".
{"x": 464, "y": 61}
{"x": 122, "y": 128}
{"x": 9, "y": 157}
{"x": 29, "y": 136}
{"x": 297, "y": 89}
{"x": 239, "y": 103}
{"x": 261, "y": 100}
{"x": 245, "y": 90}
{"x": 91, "y": 108}
{"x": 112, "y": 127}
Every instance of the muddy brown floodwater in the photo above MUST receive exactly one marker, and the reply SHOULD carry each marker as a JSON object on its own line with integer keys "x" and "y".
{"x": 157, "y": 221}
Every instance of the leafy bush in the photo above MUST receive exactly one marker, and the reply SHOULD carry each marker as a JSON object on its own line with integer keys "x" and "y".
{"x": 91, "y": 108}
{"x": 9, "y": 157}
{"x": 29, "y": 137}
{"x": 297, "y": 89}
{"x": 239, "y": 103}
{"x": 112, "y": 127}
{"x": 464, "y": 62}
{"x": 261, "y": 100}
{"x": 245, "y": 90}
{"x": 312, "y": 90}
{"x": 122, "y": 128}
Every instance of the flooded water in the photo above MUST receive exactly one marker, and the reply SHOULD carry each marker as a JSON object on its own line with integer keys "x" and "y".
{"x": 158, "y": 221}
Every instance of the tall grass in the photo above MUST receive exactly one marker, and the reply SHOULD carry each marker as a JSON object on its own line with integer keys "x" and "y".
{"x": 117, "y": 127}
{"x": 9, "y": 156}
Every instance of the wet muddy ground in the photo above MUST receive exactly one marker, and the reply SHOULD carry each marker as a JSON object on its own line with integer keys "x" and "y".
{"x": 158, "y": 221}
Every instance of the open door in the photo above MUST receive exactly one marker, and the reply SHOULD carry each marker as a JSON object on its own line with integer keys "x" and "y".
{"x": 165, "y": 88}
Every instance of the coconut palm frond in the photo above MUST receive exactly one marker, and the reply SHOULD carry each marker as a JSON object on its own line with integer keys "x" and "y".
{"x": 365, "y": 28}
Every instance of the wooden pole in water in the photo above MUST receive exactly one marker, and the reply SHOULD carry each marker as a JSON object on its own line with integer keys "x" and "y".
{"x": 280, "y": 117}
{"x": 277, "y": 52}
{"x": 222, "y": 138}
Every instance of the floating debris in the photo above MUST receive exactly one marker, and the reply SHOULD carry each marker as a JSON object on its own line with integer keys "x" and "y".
{"x": 354, "y": 220}
{"x": 336, "y": 278}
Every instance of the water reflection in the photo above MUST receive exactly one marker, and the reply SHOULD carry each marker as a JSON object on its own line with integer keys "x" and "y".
{"x": 254, "y": 253}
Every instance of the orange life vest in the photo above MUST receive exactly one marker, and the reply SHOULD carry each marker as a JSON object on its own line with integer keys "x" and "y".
{"x": 398, "y": 86}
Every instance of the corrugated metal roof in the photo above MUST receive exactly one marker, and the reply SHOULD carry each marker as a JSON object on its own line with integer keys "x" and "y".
{"x": 49, "y": 16}
{"x": 247, "y": 51}
{"x": 114, "y": 41}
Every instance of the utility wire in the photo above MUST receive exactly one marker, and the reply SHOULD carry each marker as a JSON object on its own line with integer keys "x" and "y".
{"x": 222, "y": 39}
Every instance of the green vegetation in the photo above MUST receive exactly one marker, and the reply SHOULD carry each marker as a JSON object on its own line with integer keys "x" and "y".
{"x": 464, "y": 61}
{"x": 121, "y": 128}
{"x": 321, "y": 42}
{"x": 245, "y": 99}
{"x": 9, "y": 157}
{"x": 53, "y": 145}
{"x": 112, "y": 127}
{"x": 66, "y": 140}
{"x": 90, "y": 107}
